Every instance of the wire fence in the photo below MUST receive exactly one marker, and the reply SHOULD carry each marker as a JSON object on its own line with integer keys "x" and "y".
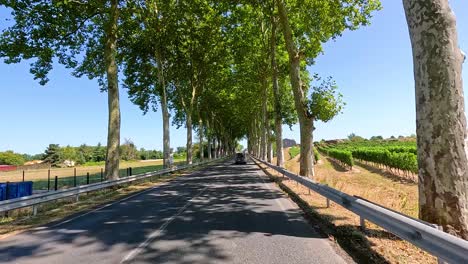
{"x": 62, "y": 178}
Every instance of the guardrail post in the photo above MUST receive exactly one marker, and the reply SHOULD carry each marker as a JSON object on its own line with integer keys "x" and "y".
{"x": 328, "y": 202}
{"x": 362, "y": 222}
{"x": 56, "y": 183}
{"x": 77, "y": 198}
{"x": 87, "y": 178}
{"x": 74, "y": 177}
{"x": 34, "y": 210}
{"x": 48, "y": 180}
{"x": 102, "y": 174}
{"x": 130, "y": 171}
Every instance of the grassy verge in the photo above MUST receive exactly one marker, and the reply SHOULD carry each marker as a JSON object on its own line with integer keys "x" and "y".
{"x": 22, "y": 219}
{"x": 373, "y": 245}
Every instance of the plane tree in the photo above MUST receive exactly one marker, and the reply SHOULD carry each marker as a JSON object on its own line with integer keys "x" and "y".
{"x": 145, "y": 44}
{"x": 306, "y": 25}
{"x": 82, "y": 35}
{"x": 440, "y": 115}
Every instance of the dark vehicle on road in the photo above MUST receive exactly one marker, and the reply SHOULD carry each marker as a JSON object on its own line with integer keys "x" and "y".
{"x": 240, "y": 158}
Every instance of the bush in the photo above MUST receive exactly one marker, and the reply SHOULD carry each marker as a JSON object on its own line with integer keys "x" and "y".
{"x": 344, "y": 156}
{"x": 294, "y": 151}
{"x": 404, "y": 160}
{"x": 316, "y": 155}
{"x": 11, "y": 158}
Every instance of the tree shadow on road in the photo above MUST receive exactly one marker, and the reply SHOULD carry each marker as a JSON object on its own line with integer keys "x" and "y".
{"x": 201, "y": 213}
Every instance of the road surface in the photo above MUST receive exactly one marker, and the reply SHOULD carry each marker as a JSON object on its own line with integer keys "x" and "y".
{"x": 223, "y": 214}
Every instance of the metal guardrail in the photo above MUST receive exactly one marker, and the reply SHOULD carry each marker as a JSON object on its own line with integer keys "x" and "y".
{"x": 446, "y": 247}
{"x": 35, "y": 199}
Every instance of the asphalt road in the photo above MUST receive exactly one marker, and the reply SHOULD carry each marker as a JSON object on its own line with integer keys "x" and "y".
{"x": 223, "y": 214}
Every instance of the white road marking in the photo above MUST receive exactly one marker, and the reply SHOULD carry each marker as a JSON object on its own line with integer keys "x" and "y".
{"x": 158, "y": 232}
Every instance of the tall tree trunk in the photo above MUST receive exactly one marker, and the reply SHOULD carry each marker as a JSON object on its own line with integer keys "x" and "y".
{"x": 440, "y": 115}
{"x": 305, "y": 118}
{"x": 218, "y": 149}
{"x": 269, "y": 147}
{"x": 165, "y": 115}
{"x": 277, "y": 100}
{"x": 200, "y": 137}
{"x": 189, "y": 138}
{"x": 208, "y": 139}
{"x": 264, "y": 122}
{"x": 307, "y": 153}
{"x": 166, "y": 131}
{"x": 113, "y": 129}
{"x": 215, "y": 148}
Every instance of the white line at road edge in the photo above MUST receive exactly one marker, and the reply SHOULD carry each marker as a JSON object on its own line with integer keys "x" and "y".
{"x": 157, "y": 232}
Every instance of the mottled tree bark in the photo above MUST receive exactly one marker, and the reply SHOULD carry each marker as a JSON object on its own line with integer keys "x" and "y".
{"x": 215, "y": 148}
{"x": 218, "y": 149}
{"x": 188, "y": 124}
{"x": 200, "y": 139}
{"x": 305, "y": 118}
{"x": 269, "y": 148}
{"x": 208, "y": 138}
{"x": 440, "y": 115}
{"x": 277, "y": 100}
{"x": 264, "y": 122}
{"x": 166, "y": 131}
{"x": 113, "y": 129}
{"x": 165, "y": 114}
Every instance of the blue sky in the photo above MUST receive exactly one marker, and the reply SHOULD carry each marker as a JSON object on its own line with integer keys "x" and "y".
{"x": 372, "y": 67}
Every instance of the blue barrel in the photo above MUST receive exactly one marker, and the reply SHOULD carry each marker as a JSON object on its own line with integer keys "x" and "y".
{"x": 25, "y": 188}
{"x": 12, "y": 190}
{"x": 15, "y": 190}
{"x": 2, "y": 191}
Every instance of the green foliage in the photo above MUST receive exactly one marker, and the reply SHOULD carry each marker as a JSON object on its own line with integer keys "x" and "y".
{"x": 343, "y": 156}
{"x": 181, "y": 155}
{"x": 353, "y": 137}
{"x": 325, "y": 102}
{"x": 294, "y": 151}
{"x": 52, "y": 155}
{"x": 394, "y": 154}
{"x": 68, "y": 153}
{"x": 11, "y": 158}
{"x": 150, "y": 154}
{"x": 316, "y": 154}
{"x": 316, "y": 22}
{"x": 405, "y": 161}
{"x": 128, "y": 150}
